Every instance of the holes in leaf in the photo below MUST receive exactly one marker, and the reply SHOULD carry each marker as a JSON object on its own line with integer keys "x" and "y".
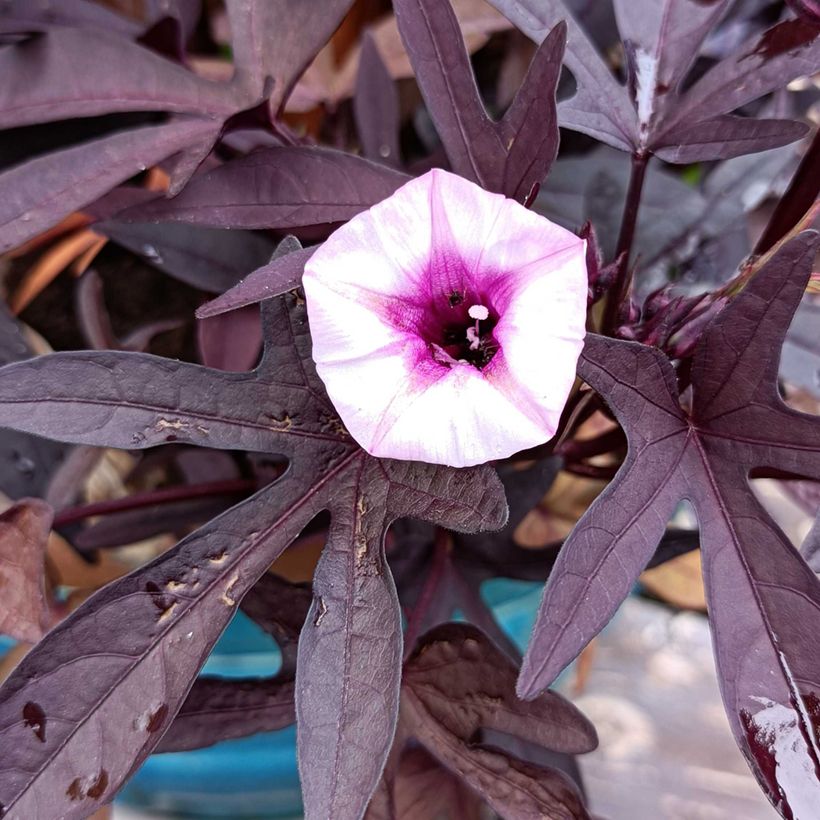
{"x": 35, "y": 717}
{"x": 80, "y": 788}
{"x": 321, "y": 610}
{"x": 98, "y": 787}
{"x": 162, "y": 601}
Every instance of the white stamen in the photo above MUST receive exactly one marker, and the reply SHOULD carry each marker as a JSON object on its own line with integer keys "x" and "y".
{"x": 473, "y": 338}
{"x": 478, "y": 312}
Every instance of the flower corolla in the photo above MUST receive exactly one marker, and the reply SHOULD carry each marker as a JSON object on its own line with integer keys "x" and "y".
{"x": 447, "y": 322}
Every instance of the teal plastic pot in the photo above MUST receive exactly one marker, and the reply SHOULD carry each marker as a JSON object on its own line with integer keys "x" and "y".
{"x": 257, "y": 777}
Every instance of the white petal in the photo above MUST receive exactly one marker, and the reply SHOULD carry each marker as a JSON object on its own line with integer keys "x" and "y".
{"x": 346, "y": 327}
{"x": 384, "y": 250}
{"x": 459, "y": 420}
{"x": 542, "y": 332}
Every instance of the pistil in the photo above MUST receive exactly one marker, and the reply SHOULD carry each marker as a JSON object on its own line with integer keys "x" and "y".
{"x": 479, "y": 313}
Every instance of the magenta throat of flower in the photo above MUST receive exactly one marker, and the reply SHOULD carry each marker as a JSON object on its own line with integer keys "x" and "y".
{"x": 458, "y": 327}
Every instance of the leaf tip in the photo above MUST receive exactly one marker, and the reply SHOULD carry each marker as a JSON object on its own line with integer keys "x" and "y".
{"x": 525, "y": 687}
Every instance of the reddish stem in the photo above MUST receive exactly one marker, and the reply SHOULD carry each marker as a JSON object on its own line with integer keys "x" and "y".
{"x": 586, "y": 470}
{"x": 578, "y": 450}
{"x": 441, "y": 549}
{"x": 167, "y": 495}
{"x": 629, "y": 221}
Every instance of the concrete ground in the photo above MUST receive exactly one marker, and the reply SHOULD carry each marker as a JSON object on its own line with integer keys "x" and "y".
{"x": 666, "y": 750}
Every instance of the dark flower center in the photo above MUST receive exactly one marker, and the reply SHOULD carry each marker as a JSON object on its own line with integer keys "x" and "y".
{"x": 458, "y": 327}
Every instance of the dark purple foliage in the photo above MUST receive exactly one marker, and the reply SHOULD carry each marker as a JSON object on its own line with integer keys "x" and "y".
{"x": 33, "y": 202}
{"x": 652, "y": 114}
{"x": 281, "y": 274}
{"x": 210, "y": 194}
{"x": 210, "y": 260}
{"x": 26, "y": 462}
{"x": 458, "y": 685}
{"x": 218, "y": 709}
{"x": 299, "y": 29}
{"x": 511, "y": 156}
{"x": 171, "y": 612}
{"x": 376, "y": 107}
{"x": 763, "y": 598}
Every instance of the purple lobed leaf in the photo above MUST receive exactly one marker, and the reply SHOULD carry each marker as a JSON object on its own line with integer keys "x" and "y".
{"x": 277, "y": 39}
{"x": 529, "y": 128}
{"x": 39, "y": 193}
{"x": 284, "y": 188}
{"x": 661, "y": 41}
{"x": 601, "y": 107}
{"x": 788, "y": 50}
{"x": 281, "y": 274}
{"x": 108, "y": 680}
{"x": 349, "y": 667}
{"x": 432, "y": 37}
{"x": 763, "y": 598}
{"x": 134, "y": 400}
{"x": 218, "y": 709}
{"x": 458, "y": 684}
{"x": 376, "y": 107}
{"x": 670, "y": 34}
{"x": 139, "y": 79}
{"x": 725, "y": 137}
{"x": 484, "y": 682}
{"x": 509, "y": 157}
{"x": 65, "y": 64}
{"x": 164, "y": 618}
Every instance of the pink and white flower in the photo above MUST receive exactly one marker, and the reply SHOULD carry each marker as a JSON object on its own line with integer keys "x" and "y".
{"x": 447, "y": 322}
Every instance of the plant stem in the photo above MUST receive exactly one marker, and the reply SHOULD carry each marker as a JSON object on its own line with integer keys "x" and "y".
{"x": 581, "y": 449}
{"x": 629, "y": 220}
{"x": 240, "y": 486}
{"x": 802, "y": 192}
{"x": 582, "y": 468}
{"x": 431, "y": 587}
